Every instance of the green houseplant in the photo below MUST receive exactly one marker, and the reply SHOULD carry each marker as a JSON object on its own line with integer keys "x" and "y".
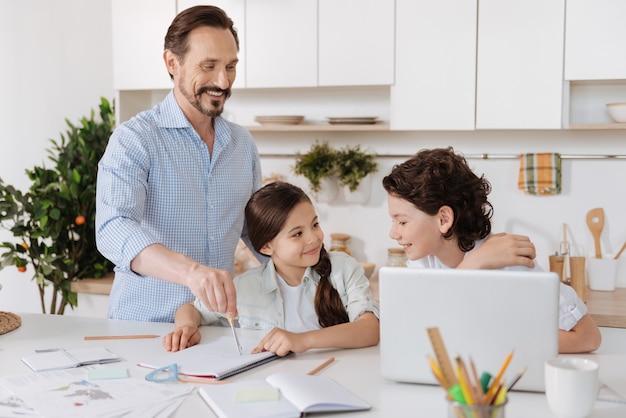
{"x": 353, "y": 165}
{"x": 317, "y": 164}
{"x": 54, "y": 221}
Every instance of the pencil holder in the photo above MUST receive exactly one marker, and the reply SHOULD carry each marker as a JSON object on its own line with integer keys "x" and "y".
{"x": 459, "y": 410}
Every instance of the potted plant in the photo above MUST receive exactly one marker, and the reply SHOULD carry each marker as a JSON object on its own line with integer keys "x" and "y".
{"x": 54, "y": 221}
{"x": 318, "y": 165}
{"x": 353, "y": 169}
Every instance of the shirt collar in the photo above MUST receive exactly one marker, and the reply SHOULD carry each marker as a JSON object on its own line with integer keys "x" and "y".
{"x": 270, "y": 283}
{"x": 172, "y": 116}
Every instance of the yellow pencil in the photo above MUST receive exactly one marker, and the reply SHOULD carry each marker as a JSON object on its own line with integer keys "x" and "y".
{"x": 496, "y": 381}
{"x": 462, "y": 377}
{"x": 438, "y": 373}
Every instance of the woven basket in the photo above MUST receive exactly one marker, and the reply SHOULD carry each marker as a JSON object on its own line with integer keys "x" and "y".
{"x": 9, "y": 321}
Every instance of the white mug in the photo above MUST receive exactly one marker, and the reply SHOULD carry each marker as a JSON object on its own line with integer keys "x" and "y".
{"x": 571, "y": 386}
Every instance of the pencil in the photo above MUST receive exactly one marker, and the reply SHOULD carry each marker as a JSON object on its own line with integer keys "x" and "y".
{"x": 477, "y": 385}
{"x": 438, "y": 373}
{"x": 496, "y": 380}
{"x": 119, "y": 337}
{"x": 461, "y": 375}
{"x": 321, "y": 366}
{"x": 513, "y": 381}
{"x": 201, "y": 380}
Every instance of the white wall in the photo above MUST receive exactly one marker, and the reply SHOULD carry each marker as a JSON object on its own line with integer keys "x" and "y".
{"x": 56, "y": 64}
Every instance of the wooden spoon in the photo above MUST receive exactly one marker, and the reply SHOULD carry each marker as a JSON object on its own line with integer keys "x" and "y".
{"x": 595, "y": 222}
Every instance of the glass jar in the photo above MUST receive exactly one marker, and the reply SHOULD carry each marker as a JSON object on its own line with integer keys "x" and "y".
{"x": 340, "y": 242}
{"x": 396, "y": 257}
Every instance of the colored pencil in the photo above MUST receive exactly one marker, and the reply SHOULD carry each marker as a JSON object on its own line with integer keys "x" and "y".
{"x": 513, "y": 381}
{"x": 321, "y": 366}
{"x": 119, "y": 337}
{"x": 496, "y": 380}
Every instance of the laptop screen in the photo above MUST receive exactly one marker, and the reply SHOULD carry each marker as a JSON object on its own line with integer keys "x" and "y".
{"x": 480, "y": 314}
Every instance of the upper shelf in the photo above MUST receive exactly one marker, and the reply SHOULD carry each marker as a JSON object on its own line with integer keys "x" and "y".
{"x": 309, "y": 127}
{"x": 593, "y": 126}
{"x": 384, "y": 127}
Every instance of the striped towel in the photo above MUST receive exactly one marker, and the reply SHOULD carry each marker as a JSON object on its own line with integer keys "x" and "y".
{"x": 540, "y": 174}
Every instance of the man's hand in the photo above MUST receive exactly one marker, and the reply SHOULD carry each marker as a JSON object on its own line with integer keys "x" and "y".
{"x": 215, "y": 288}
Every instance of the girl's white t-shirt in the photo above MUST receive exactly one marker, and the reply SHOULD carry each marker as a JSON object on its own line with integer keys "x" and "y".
{"x": 299, "y": 312}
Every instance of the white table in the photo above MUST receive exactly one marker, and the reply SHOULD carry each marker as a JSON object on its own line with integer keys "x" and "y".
{"x": 357, "y": 370}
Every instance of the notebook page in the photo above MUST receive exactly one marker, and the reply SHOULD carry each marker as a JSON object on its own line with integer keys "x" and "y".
{"x": 215, "y": 358}
{"x": 316, "y": 393}
{"x": 221, "y": 399}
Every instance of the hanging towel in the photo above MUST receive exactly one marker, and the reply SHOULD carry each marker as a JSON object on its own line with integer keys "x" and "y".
{"x": 540, "y": 174}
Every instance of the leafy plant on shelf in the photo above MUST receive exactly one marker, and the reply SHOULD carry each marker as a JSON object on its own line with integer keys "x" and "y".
{"x": 54, "y": 221}
{"x": 353, "y": 165}
{"x": 318, "y": 163}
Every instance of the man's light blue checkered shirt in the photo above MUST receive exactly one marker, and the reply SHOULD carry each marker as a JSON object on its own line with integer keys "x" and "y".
{"x": 157, "y": 183}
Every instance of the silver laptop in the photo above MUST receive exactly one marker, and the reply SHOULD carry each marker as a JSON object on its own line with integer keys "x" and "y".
{"x": 480, "y": 314}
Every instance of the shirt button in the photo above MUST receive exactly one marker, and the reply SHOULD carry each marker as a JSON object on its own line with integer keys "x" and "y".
{"x": 212, "y": 238}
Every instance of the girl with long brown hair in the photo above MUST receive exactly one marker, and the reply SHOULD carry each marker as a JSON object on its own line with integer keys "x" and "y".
{"x": 305, "y": 296}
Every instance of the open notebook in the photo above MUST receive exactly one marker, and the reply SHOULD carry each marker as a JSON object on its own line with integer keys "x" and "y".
{"x": 215, "y": 358}
{"x": 280, "y": 395}
{"x": 482, "y": 314}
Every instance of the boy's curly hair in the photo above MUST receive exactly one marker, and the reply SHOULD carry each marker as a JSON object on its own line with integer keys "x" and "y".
{"x": 440, "y": 177}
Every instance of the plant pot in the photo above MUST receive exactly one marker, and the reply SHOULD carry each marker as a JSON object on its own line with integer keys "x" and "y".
{"x": 328, "y": 191}
{"x": 361, "y": 194}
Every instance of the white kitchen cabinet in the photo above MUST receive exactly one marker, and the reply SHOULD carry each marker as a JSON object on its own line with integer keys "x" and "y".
{"x": 520, "y": 64}
{"x": 595, "y": 31}
{"x": 435, "y": 65}
{"x": 235, "y": 9}
{"x": 139, "y": 27}
{"x": 281, "y": 37}
{"x": 356, "y": 42}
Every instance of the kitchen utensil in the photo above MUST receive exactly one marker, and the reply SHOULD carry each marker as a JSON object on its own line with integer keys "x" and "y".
{"x": 595, "y": 222}
{"x": 620, "y": 251}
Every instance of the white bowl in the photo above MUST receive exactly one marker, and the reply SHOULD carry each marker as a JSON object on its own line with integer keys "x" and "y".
{"x": 617, "y": 111}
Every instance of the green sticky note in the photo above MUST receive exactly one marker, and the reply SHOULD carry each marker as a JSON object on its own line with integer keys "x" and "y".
{"x": 107, "y": 373}
{"x": 256, "y": 394}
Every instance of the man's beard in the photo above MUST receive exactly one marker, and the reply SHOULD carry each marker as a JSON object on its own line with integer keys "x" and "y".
{"x": 216, "y": 107}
